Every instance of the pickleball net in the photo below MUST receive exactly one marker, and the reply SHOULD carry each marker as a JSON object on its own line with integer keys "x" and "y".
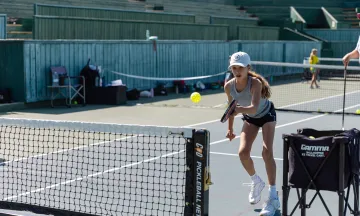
{"x": 290, "y": 84}
{"x": 79, "y": 168}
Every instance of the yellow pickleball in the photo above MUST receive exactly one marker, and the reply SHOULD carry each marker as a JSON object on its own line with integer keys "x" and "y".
{"x": 195, "y": 97}
{"x": 311, "y": 137}
{"x": 358, "y": 111}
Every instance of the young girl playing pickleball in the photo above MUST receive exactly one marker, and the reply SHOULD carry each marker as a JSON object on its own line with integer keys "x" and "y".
{"x": 251, "y": 91}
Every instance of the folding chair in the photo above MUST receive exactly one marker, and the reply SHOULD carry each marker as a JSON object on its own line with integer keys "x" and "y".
{"x": 329, "y": 162}
{"x": 65, "y": 87}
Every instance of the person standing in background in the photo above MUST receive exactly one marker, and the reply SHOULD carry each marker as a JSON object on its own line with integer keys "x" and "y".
{"x": 314, "y": 71}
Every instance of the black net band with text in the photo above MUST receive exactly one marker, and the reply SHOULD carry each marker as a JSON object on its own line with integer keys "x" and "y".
{"x": 61, "y": 167}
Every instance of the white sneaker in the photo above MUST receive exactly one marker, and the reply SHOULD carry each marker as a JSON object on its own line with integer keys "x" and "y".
{"x": 270, "y": 207}
{"x": 255, "y": 192}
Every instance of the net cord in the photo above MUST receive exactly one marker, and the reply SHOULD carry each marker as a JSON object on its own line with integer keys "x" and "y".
{"x": 168, "y": 79}
{"x": 100, "y": 127}
{"x": 332, "y": 59}
{"x": 299, "y": 65}
{"x": 278, "y": 64}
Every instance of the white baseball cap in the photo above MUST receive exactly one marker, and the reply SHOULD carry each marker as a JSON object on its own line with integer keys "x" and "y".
{"x": 241, "y": 59}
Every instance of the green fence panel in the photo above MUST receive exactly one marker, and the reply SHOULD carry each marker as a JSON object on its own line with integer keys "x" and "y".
{"x": 49, "y": 28}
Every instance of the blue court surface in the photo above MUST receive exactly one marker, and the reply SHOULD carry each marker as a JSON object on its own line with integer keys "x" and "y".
{"x": 229, "y": 192}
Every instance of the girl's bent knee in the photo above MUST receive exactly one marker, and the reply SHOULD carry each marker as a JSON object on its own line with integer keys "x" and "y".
{"x": 267, "y": 155}
{"x": 244, "y": 155}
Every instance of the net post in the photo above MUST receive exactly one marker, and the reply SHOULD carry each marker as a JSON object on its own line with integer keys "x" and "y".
{"x": 189, "y": 184}
{"x": 199, "y": 175}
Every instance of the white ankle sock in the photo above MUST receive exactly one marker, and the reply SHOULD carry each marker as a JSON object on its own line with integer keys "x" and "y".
{"x": 255, "y": 178}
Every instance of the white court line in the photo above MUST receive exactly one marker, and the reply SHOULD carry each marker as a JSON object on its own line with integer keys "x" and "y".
{"x": 10, "y": 214}
{"x": 236, "y": 155}
{"x": 63, "y": 150}
{"x": 148, "y": 160}
{"x": 316, "y": 100}
{"x": 282, "y": 107}
{"x": 92, "y": 175}
{"x": 207, "y": 122}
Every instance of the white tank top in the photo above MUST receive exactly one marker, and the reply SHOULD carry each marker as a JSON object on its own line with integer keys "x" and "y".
{"x": 244, "y": 99}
